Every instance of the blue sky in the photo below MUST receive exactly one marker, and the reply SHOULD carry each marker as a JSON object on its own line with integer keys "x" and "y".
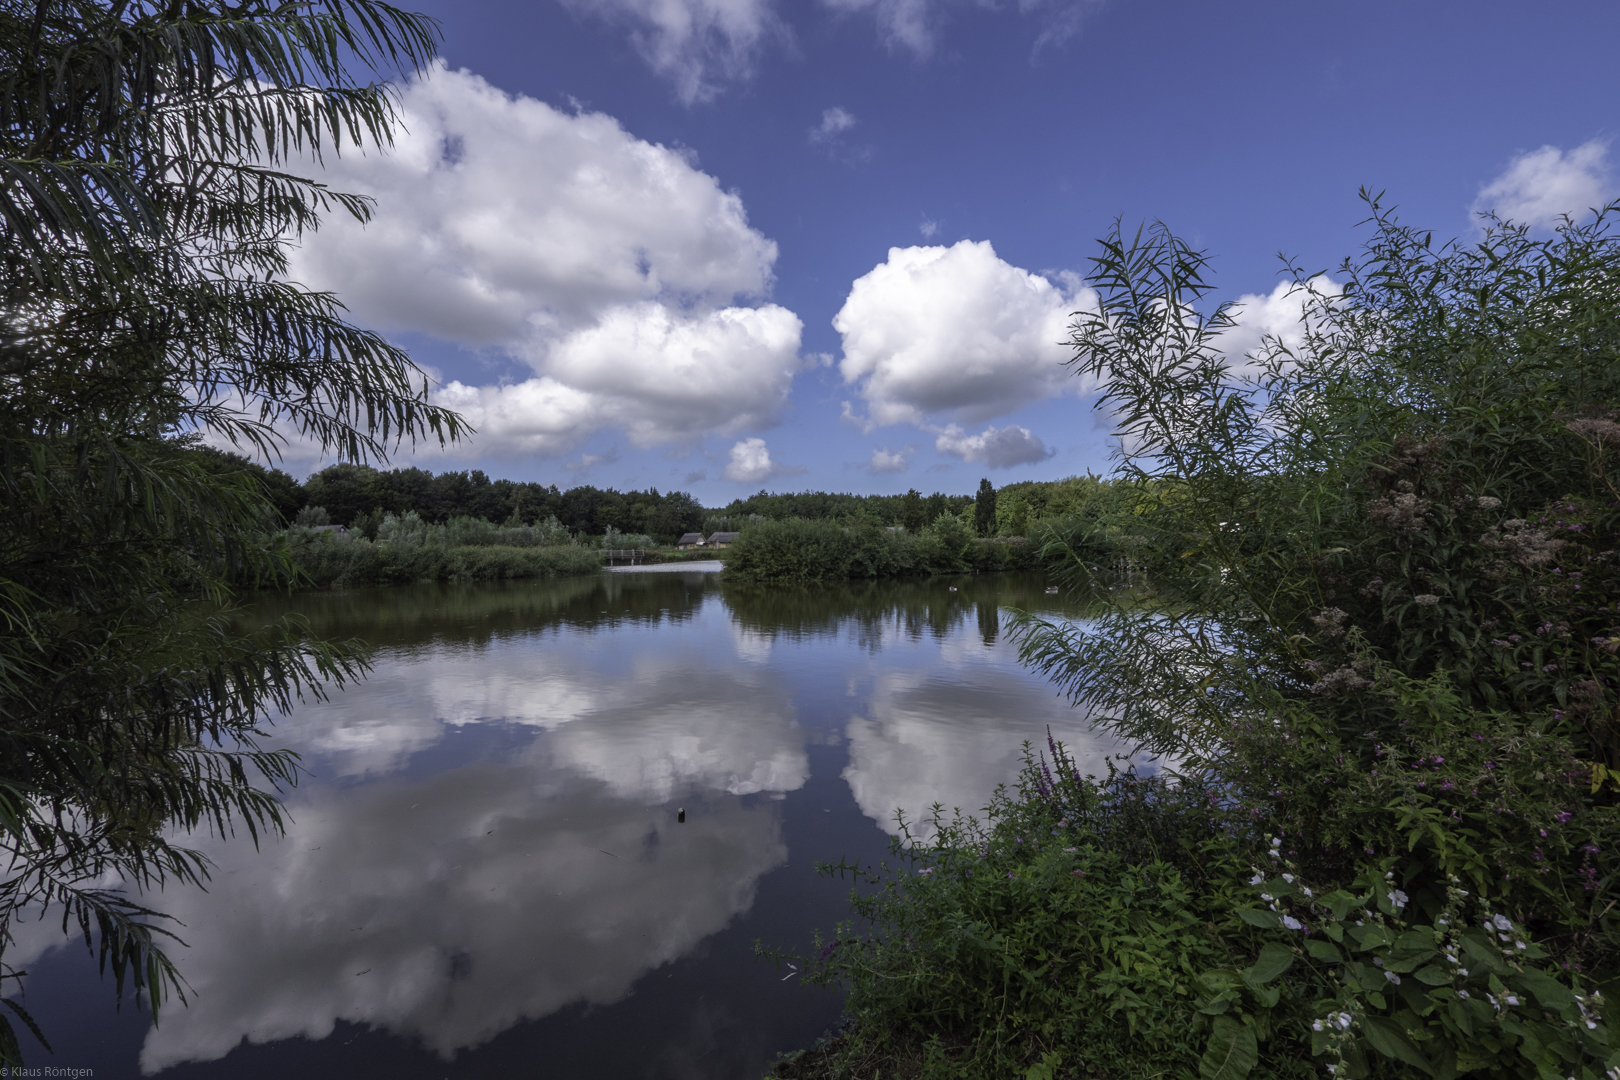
{"x": 721, "y": 245}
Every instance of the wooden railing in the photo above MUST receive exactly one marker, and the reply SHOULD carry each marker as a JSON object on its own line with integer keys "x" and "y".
{"x": 630, "y": 555}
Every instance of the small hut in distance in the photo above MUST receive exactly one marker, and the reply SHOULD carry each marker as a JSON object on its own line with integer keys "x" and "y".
{"x": 689, "y": 541}
{"x": 722, "y": 539}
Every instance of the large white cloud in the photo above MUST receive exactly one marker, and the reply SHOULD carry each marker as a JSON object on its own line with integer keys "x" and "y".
{"x": 1539, "y": 187}
{"x": 697, "y": 44}
{"x": 955, "y": 330}
{"x": 997, "y": 448}
{"x": 611, "y": 266}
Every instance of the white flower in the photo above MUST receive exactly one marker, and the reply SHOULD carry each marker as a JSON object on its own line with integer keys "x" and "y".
{"x": 1316, "y": 1025}
{"x": 1257, "y": 879}
{"x": 1463, "y": 972}
{"x": 1398, "y": 898}
{"x": 1518, "y": 945}
{"x": 1291, "y": 922}
{"x": 1276, "y": 842}
{"x": 1378, "y": 961}
{"x": 1342, "y": 1019}
{"x": 1510, "y": 999}
{"x": 1288, "y": 878}
{"x": 1307, "y": 892}
{"x": 1392, "y": 977}
{"x": 1502, "y": 922}
{"x": 1591, "y": 1025}
{"x": 1440, "y": 922}
{"x": 1463, "y": 994}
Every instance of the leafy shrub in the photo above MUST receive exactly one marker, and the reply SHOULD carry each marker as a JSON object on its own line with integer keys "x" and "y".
{"x": 1381, "y": 642}
{"x": 799, "y": 550}
{"x": 1094, "y": 928}
{"x": 337, "y": 563}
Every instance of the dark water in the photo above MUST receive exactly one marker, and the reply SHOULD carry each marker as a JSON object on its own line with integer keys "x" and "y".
{"x": 484, "y": 875}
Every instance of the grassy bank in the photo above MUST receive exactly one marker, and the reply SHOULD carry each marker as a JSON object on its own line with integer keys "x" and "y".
{"x": 338, "y": 563}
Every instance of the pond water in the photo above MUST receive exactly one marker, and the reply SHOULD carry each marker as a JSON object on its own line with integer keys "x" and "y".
{"x": 484, "y": 874}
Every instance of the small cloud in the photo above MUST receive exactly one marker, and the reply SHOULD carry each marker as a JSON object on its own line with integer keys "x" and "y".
{"x": 928, "y": 227}
{"x": 751, "y": 463}
{"x": 694, "y": 477}
{"x": 586, "y": 461}
{"x": 885, "y": 461}
{"x": 999, "y": 448}
{"x": 848, "y": 415}
{"x": 834, "y": 122}
{"x": 1540, "y": 187}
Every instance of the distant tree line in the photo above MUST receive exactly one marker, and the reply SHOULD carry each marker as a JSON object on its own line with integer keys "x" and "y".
{"x": 359, "y": 496}
{"x": 912, "y": 510}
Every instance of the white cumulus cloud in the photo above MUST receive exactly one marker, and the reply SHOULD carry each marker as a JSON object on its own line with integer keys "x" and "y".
{"x": 1539, "y": 187}
{"x": 696, "y": 44}
{"x": 956, "y": 330}
{"x": 998, "y": 448}
{"x": 751, "y": 463}
{"x": 1279, "y": 314}
{"x": 885, "y": 460}
{"x": 628, "y": 280}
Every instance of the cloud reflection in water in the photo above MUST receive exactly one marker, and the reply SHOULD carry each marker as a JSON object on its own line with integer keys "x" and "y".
{"x": 452, "y": 907}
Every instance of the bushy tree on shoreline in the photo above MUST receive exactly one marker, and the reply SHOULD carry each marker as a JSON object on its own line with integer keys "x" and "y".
{"x": 1381, "y": 653}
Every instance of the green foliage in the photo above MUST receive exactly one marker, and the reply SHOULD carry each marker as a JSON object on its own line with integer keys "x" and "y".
{"x": 984, "y": 509}
{"x": 1139, "y": 924}
{"x": 147, "y": 200}
{"x": 797, "y": 551}
{"x": 332, "y": 563}
{"x": 1380, "y": 646}
{"x": 826, "y": 506}
{"x": 358, "y": 495}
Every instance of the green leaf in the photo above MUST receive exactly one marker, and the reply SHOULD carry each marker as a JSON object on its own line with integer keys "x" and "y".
{"x": 1266, "y": 920}
{"x": 1341, "y": 903}
{"x": 1323, "y": 950}
{"x": 1385, "y": 1036}
{"x": 1432, "y": 976}
{"x": 1548, "y": 991}
{"x": 1274, "y": 959}
{"x": 1231, "y": 1052}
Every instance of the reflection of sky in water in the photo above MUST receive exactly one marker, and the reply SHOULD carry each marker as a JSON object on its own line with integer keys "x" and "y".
{"x": 488, "y": 830}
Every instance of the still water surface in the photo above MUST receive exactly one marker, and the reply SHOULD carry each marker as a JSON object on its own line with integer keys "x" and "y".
{"x": 484, "y": 875}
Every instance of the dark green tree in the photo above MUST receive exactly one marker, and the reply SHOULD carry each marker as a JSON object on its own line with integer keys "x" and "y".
{"x": 149, "y": 188}
{"x": 913, "y": 515}
{"x": 984, "y": 509}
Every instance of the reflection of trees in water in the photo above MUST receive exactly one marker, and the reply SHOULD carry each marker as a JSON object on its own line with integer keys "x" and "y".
{"x": 476, "y": 612}
{"x": 868, "y": 609}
